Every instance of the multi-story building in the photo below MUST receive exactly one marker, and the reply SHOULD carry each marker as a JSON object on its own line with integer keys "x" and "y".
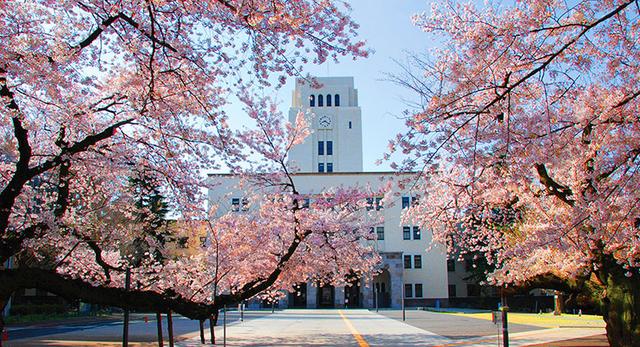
{"x": 332, "y": 156}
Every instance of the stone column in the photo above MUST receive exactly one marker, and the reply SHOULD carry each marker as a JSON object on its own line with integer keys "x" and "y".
{"x": 367, "y": 294}
{"x": 396, "y": 272}
{"x": 312, "y": 296}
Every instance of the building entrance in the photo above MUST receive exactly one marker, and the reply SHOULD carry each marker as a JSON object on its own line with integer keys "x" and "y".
{"x": 352, "y": 293}
{"x": 382, "y": 289}
{"x": 326, "y": 295}
{"x": 298, "y": 298}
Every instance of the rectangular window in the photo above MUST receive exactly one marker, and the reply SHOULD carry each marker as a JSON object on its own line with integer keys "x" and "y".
{"x": 452, "y": 291}
{"x": 369, "y": 204}
{"x": 329, "y": 167}
{"x": 417, "y": 262}
{"x": 306, "y": 202}
{"x": 378, "y": 204}
{"x": 380, "y": 232}
{"x": 407, "y": 262}
{"x": 245, "y": 204}
{"x": 329, "y": 147}
{"x": 320, "y": 147}
{"x": 405, "y": 202}
{"x": 406, "y": 233}
{"x": 320, "y": 167}
{"x": 451, "y": 265}
{"x": 349, "y": 122}
{"x": 416, "y": 233}
{"x": 408, "y": 290}
{"x": 414, "y": 201}
{"x": 468, "y": 264}
{"x": 235, "y": 204}
{"x": 418, "y": 290}
{"x": 473, "y": 290}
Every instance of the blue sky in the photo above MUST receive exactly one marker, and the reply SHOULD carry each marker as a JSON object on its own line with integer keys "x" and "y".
{"x": 387, "y": 28}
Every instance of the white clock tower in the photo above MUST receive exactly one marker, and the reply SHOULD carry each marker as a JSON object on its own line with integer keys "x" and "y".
{"x": 335, "y": 119}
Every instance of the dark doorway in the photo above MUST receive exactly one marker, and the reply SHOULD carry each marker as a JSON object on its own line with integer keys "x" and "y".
{"x": 352, "y": 293}
{"x": 326, "y": 295}
{"x": 298, "y": 298}
{"x": 382, "y": 289}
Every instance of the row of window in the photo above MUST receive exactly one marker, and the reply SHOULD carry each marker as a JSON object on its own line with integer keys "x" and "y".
{"x": 321, "y": 147}
{"x": 321, "y": 167}
{"x": 239, "y": 204}
{"x": 451, "y": 265}
{"x": 406, "y": 232}
{"x": 417, "y": 261}
{"x": 408, "y": 201}
{"x": 320, "y": 98}
{"x": 472, "y": 290}
{"x": 409, "y": 291}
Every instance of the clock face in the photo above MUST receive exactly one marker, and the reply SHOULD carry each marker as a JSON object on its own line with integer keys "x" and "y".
{"x": 324, "y": 121}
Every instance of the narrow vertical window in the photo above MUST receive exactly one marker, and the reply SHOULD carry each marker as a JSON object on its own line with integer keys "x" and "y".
{"x": 320, "y": 167}
{"x": 329, "y": 167}
{"x": 407, "y": 262}
{"x": 320, "y": 100}
{"x": 416, "y": 233}
{"x": 408, "y": 290}
{"x": 405, "y": 202}
{"x": 235, "y": 204}
{"x": 379, "y": 205}
{"x": 349, "y": 122}
{"x": 406, "y": 233}
{"x": 320, "y": 147}
{"x": 337, "y": 100}
{"x": 380, "y": 233}
{"x": 312, "y": 101}
{"x": 329, "y": 147}
{"x": 417, "y": 262}
{"x": 418, "y": 291}
{"x": 328, "y": 100}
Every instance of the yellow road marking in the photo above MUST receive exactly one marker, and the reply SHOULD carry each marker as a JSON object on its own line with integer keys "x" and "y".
{"x": 361, "y": 341}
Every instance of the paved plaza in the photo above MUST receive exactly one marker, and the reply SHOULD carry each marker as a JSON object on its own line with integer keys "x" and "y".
{"x": 330, "y": 327}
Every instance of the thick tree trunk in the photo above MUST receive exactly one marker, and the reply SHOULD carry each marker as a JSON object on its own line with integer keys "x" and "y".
{"x": 621, "y": 305}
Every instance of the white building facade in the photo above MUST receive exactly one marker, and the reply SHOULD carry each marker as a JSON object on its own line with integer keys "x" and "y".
{"x": 332, "y": 155}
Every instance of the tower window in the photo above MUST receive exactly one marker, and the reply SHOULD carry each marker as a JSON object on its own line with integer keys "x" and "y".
{"x": 320, "y": 147}
{"x": 349, "y": 122}
{"x": 329, "y": 167}
{"x": 329, "y": 147}
{"x": 337, "y": 100}
{"x": 320, "y": 100}
{"x": 328, "y": 99}
{"x": 312, "y": 101}
{"x": 320, "y": 167}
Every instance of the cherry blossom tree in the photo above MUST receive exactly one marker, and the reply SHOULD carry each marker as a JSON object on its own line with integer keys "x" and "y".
{"x": 95, "y": 91}
{"x": 533, "y": 107}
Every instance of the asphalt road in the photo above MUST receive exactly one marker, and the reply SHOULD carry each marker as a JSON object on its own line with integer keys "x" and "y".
{"x": 110, "y": 330}
{"x": 453, "y": 326}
